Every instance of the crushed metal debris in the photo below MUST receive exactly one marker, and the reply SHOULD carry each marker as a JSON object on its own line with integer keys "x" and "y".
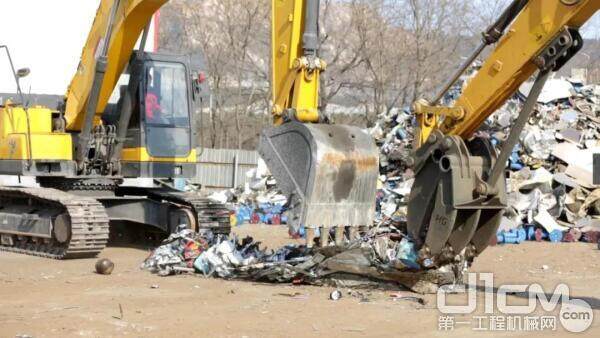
{"x": 382, "y": 256}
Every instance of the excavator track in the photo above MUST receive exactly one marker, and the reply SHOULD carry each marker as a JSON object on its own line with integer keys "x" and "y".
{"x": 211, "y": 215}
{"x": 84, "y": 223}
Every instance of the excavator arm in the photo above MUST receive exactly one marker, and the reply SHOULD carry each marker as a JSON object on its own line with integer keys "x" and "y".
{"x": 329, "y": 172}
{"x": 458, "y": 198}
{"x": 112, "y": 38}
{"x": 296, "y": 65}
{"x": 515, "y": 59}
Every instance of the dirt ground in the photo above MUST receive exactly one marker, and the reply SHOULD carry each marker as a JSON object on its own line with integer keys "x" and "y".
{"x": 45, "y": 298}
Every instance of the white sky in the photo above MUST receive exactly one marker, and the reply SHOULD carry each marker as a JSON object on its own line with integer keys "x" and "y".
{"x": 47, "y": 37}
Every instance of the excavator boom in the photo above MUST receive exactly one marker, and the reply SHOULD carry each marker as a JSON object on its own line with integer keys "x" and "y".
{"x": 114, "y": 33}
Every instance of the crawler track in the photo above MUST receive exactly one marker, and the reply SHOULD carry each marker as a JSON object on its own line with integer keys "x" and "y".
{"x": 211, "y": 215}
{"x": 87, "y": 233}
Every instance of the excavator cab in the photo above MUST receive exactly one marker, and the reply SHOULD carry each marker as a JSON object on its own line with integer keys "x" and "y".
{"x": 159, "y": 141}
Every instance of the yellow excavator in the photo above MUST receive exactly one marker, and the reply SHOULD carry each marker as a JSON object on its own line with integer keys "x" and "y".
{"x": 81, "y": 152}
{"x": 329, "y": 172}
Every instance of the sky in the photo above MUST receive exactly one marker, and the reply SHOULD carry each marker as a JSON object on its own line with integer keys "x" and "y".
{"x": 47, "y": 36}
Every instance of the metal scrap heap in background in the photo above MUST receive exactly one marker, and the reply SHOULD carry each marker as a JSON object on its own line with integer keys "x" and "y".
{"x": 381, "y": 257}
{"x": 258, "y": 201}
{"x": 552, "y": 195}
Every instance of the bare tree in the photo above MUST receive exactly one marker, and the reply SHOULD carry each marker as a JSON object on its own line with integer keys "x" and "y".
{"x": 340, "y": 49}
{"x": 404, "y": 49}
{"x": 381, "y": 55}
{"x": 231, "y": 36}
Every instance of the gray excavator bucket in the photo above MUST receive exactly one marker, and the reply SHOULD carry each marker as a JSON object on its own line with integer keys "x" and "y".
{"x": 328, "y": 172}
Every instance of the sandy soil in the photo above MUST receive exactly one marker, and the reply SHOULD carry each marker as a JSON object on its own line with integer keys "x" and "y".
{"x": 45, "y": 298}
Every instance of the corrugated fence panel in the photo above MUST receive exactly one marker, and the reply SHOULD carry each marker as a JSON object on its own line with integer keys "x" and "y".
{"x": 221, "y": 168}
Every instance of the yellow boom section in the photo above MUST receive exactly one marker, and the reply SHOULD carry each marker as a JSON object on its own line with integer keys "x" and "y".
{"x": 511, "y": 63}
{"x": 295, "y": 82}
{"x": 131, "y": 18}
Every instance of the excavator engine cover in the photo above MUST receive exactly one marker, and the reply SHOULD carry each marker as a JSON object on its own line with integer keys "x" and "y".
{"x": 328, "y": 172}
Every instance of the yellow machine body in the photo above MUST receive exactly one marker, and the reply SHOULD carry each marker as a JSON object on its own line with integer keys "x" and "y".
{"x": 38, "y": 141}
{"x": 141, "y": 154}
{"x": 49, "y": 145}
{"x": 81, "y": 152}
{"x": 16, "y": 137}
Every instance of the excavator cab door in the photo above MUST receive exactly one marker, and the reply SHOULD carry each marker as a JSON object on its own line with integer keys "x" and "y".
{"x": 165, "y": 102}
{"x": 160, "y": 140}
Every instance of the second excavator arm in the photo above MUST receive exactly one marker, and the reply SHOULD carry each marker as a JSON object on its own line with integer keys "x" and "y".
{"x": 329, "y": 172}
{"x": 458, "y": 198}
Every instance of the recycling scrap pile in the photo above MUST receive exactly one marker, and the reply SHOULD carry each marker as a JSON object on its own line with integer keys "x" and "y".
{"x": 393, "y": 133}
{"x": 551, "y": 190}
{"x": 550, "y": 184}
{"x": 258, "y": 201}
{"x": 380, "y": 257}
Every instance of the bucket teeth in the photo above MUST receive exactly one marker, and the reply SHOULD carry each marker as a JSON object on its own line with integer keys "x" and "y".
{"x": 338, "y": 235}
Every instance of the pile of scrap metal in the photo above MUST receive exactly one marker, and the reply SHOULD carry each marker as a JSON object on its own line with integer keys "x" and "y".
{"x": 393, "y": 133}
{"x": 260, "y": 213}
{"x": 552, "y": 195}
{"x": 382, "y": 257}
{"x": 258, "y": 201}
